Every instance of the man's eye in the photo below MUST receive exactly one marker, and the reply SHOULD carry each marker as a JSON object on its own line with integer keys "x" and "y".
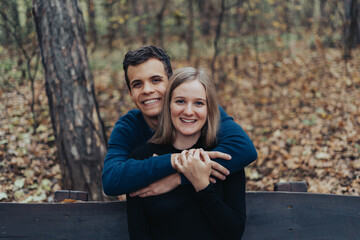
{"x": 156, "y": 80}
{"x": 136, "y": 85}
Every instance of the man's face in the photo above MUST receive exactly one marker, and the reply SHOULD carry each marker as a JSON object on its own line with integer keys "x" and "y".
{"x": 148, "y": 82}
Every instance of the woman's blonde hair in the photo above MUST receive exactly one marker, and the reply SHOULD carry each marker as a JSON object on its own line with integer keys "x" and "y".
{"x": 165, "y": 132}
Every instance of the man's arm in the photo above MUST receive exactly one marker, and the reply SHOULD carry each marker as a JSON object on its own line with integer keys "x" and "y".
{"x": 233, "y": 140}
{"x": 123, "y": 174}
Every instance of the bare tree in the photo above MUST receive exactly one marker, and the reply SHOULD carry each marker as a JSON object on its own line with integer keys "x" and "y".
{"x": 91, "y": 25}
{"x": 159, "y": 24}
{"x": 190, "y": 30}
{"x": 138, "y": 12}
{"x": 24, "y": 47}
{"x": 79, "y": 132}
{"x": 351, "y": 27}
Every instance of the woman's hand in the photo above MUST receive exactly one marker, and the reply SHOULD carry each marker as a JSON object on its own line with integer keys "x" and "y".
{"x": 196, "y": 166}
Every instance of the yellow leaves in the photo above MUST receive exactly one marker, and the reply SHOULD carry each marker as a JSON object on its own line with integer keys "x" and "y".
{"x": 118, "y": 20}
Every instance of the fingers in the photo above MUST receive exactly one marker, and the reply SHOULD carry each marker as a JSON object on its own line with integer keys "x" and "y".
{"x": 178, "y": 165}
{"x": 216, "y": 154}
{"x": 218, "y": 175}
{"x": 212, "y": 180}
{"x": 197, "y": 153}
{"x": 205, "y": 156}
{"x": 139, "y": 192}
{"x": 219, "y": 168}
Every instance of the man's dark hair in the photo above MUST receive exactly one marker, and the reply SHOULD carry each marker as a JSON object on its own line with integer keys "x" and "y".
{"x": 141, "y": 55}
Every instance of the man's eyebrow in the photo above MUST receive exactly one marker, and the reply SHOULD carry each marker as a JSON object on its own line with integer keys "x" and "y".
{"x": 156, "y": 76}
{"x": 134, "y": 81}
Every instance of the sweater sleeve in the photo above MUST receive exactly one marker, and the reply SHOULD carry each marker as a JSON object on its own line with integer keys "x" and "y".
{"x": 123, "y": 174}
{"x": 138, "y": 222}
{"x": 226, "y": 214}
{"x": 233, "y": 140}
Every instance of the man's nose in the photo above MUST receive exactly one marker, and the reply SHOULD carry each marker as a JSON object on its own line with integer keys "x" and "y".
{"x": 148, "y": 88}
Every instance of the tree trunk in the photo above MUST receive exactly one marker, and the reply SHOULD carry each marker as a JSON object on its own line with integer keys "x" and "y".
{"x": 91, "y": 24}
{"x": 351, "y": 27}
{"x": 79, "y": 131}
{"x": 190, "y": 31}
{"x": 159, "y": 24}
{"x": 140, "y": 22}
{"x": 206, "y": 11}
{"x": 110, "y": 35}
{"x": 10, "y": 17}
{"x": 217, "y": 38}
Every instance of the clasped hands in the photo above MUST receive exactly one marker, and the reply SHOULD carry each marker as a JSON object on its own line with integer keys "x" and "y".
{"x": 197, "y": 167}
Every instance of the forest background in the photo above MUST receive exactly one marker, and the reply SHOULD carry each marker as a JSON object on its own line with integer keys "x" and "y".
{"x": 288, "y": 71}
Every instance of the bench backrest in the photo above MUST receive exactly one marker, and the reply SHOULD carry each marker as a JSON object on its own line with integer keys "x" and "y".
{"x": 270, "y": 215}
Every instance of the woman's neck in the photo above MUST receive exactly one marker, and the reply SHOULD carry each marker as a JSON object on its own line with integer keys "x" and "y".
{"x": 182, "y": 142}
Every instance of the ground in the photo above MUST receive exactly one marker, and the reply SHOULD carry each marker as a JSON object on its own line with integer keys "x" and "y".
{"x": 302, "y": 111}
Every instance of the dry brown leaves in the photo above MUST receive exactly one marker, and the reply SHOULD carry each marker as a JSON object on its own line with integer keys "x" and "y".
{"x": 303, "y": 117}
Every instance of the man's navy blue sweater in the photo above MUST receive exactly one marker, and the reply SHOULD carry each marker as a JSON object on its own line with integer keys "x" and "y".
{"x": 123, "y": 174}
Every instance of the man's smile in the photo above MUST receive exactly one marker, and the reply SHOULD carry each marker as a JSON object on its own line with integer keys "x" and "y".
{"x": 151, "y": 101}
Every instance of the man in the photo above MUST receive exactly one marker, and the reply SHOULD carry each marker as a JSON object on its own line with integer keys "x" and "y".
{"x": 147, "y": 71}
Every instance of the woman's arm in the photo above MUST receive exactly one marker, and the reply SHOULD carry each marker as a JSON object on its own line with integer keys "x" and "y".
{"x": 233, "y": 140}
{"x": 226, "y": 214}
{"x": 138, "y": 223}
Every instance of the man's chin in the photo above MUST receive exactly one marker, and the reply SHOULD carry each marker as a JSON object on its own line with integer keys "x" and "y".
{"x": 151, "y": 114}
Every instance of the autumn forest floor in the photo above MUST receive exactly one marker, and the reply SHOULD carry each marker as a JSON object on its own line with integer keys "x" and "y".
{"x": 302, "y": 111}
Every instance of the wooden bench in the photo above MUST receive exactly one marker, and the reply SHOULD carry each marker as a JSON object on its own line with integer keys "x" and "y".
{"x": 282, "y": 214}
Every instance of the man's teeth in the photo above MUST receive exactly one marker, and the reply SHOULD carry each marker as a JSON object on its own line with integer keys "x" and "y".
{"x": 151, "y": 101}
{"x": 187, "y": 121}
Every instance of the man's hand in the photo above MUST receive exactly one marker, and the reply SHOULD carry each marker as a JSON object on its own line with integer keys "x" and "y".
{"x": 161, "y": 186}
{"x": 217, "y": 170}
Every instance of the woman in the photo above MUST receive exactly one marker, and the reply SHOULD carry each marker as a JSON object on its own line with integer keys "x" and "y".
{"x": 189, "y": 120}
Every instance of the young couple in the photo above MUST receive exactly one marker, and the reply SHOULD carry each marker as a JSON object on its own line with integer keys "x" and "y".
{"x": 183, "y": 204}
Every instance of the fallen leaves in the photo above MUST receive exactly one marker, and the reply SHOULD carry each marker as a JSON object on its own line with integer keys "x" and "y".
{"x": 307, "y": 127}
{"x": 305, "y": 124}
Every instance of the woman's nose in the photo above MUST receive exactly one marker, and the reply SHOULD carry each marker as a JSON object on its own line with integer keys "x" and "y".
{"x": 188, "y": 109}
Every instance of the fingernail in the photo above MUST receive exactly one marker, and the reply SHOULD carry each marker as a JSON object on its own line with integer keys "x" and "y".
{"x": 227, "y": 172}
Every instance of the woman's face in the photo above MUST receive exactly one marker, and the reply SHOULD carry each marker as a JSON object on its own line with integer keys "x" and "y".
{"x": 188, "y": 108}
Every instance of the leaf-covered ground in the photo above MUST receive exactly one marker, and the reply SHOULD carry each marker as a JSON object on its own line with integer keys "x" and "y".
{"x": 303, "y": 116}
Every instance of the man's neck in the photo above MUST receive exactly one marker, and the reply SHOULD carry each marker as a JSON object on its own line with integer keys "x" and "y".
{"x": 152, "y": 122}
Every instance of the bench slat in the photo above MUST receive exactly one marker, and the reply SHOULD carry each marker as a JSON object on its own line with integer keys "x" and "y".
{"x": 270, "y": 215}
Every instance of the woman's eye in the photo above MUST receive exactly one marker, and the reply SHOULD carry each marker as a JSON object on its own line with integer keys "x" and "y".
{"x": 199, "y": 104}
{"x": 179, "y": 101}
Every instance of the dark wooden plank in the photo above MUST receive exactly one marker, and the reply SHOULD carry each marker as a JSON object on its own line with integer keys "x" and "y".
{"x": 85, "y": 220}
{"x": 270, "y": 215}
{"x": 291, "y": 187}
{"x": 62, "y": 195}
{"x": 281, "y": 215}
